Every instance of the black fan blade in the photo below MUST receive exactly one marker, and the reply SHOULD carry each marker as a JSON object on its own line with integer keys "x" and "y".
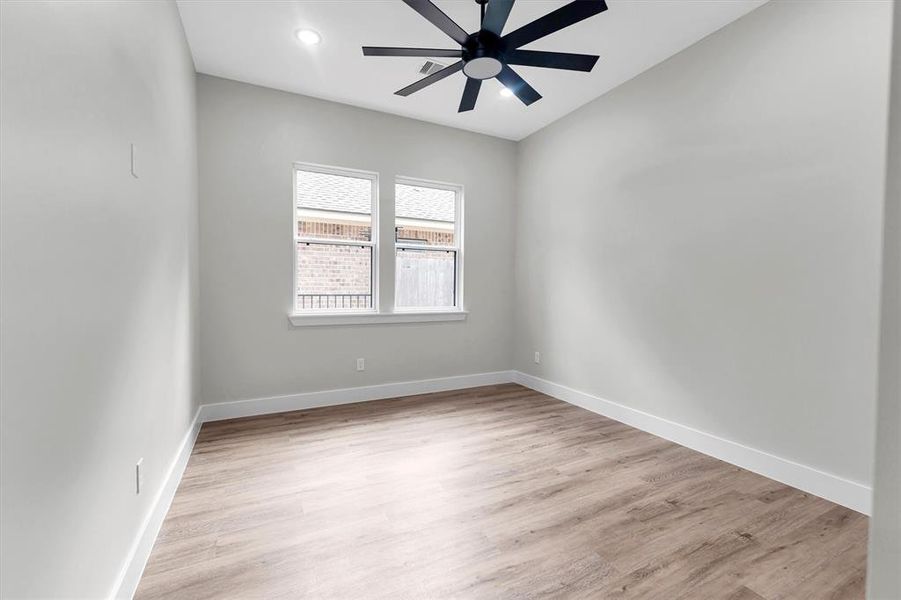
{"x": 382, "y": 51}
{"x": 439, "y": 19}
{"x": 427, "y": 81}
{"x": 496, "y": 15}
{"x": 470, "y": 94}
{"x": 554, "y": 21}
{"x": 552, "y": 60}
{"x": 518, "y": 86}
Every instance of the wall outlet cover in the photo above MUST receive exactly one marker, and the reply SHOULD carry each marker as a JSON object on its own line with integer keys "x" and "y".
{"x": 139, "y": 476}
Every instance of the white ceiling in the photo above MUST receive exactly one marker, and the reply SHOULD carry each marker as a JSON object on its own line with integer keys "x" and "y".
{"x": 253, "y": 41}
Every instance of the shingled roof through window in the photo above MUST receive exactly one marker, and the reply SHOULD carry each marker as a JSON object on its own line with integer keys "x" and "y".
{"x": 340, "y": 193}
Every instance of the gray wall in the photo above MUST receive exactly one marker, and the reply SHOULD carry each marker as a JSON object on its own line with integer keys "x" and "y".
{"x": 884, "y": 576}
{"x": 98, "y": 290}
{"x": 248, "y": 138}
{"x": 702, "y": 243}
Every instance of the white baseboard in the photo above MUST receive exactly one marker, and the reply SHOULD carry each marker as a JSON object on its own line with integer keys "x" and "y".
{"x": 130, "y": 575}
{"x": 277, "y": 404}
{"x": 851, "y": 494}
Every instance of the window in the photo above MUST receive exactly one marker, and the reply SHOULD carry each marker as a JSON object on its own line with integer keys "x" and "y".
{"x": 428, "y": 245}
{"x": 337, "y": 254}
{"x": 335, "y": 235}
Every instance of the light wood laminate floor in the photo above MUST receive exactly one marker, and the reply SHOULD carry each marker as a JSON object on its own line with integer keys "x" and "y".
{"x": 492, "y": 492}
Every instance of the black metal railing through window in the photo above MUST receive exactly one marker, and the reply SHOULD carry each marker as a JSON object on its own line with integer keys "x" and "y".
{"x": 333, "y": 301}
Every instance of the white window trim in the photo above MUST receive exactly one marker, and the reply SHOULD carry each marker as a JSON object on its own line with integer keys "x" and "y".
{"x": 375, "y": 315}
{"x": 373, "y": 242}
{"x": 370, "y": 318}
{"x": 458, "y": 190}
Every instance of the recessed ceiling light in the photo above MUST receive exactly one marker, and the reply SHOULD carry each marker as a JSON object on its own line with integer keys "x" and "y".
{"x": 308, "y": 36}
{"x": 506, "y": 93}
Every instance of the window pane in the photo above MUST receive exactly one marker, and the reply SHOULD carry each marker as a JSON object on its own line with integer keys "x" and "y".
{"x": 334, "y": 206}
{"x": 331, "y": 276}
{"x": 424, "y": 215}
{"x": 425, "y": 278}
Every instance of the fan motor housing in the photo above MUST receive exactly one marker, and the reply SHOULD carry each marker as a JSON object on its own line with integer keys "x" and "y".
{"x": 483, "y": 56}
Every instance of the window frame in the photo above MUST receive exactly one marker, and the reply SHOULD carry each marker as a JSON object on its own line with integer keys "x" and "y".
{"x": 377, "y": 314}
{"x": 457, "y": 248}
{"x": 373, "y": 242}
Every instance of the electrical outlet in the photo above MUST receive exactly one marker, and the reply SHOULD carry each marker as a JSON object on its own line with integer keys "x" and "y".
{"x": 537, "y": 358}
{"x": 139, "y": 476}
{"x": 361, "y": 364}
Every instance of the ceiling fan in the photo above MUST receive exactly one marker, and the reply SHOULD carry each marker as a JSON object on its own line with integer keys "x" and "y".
{"x": 487, "y": 53}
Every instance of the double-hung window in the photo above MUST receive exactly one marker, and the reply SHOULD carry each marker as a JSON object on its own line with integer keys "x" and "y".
{"x": 335, "y": 239}
{"x": 428, "y": 249}
{"x": 337, "y": 253}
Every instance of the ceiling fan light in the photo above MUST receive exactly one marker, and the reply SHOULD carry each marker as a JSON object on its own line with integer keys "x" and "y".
{"x": 482, "y": 67}
{"x": 506, "y": 92}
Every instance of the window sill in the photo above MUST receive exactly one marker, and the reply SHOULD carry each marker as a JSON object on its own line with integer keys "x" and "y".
{"x": 424, "y": 316}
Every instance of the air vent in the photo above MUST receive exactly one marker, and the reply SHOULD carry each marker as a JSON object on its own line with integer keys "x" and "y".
{"x": 430, "y": 66}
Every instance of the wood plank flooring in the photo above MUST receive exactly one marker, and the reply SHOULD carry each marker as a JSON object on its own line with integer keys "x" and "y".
{"x": 493, "y": 492}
